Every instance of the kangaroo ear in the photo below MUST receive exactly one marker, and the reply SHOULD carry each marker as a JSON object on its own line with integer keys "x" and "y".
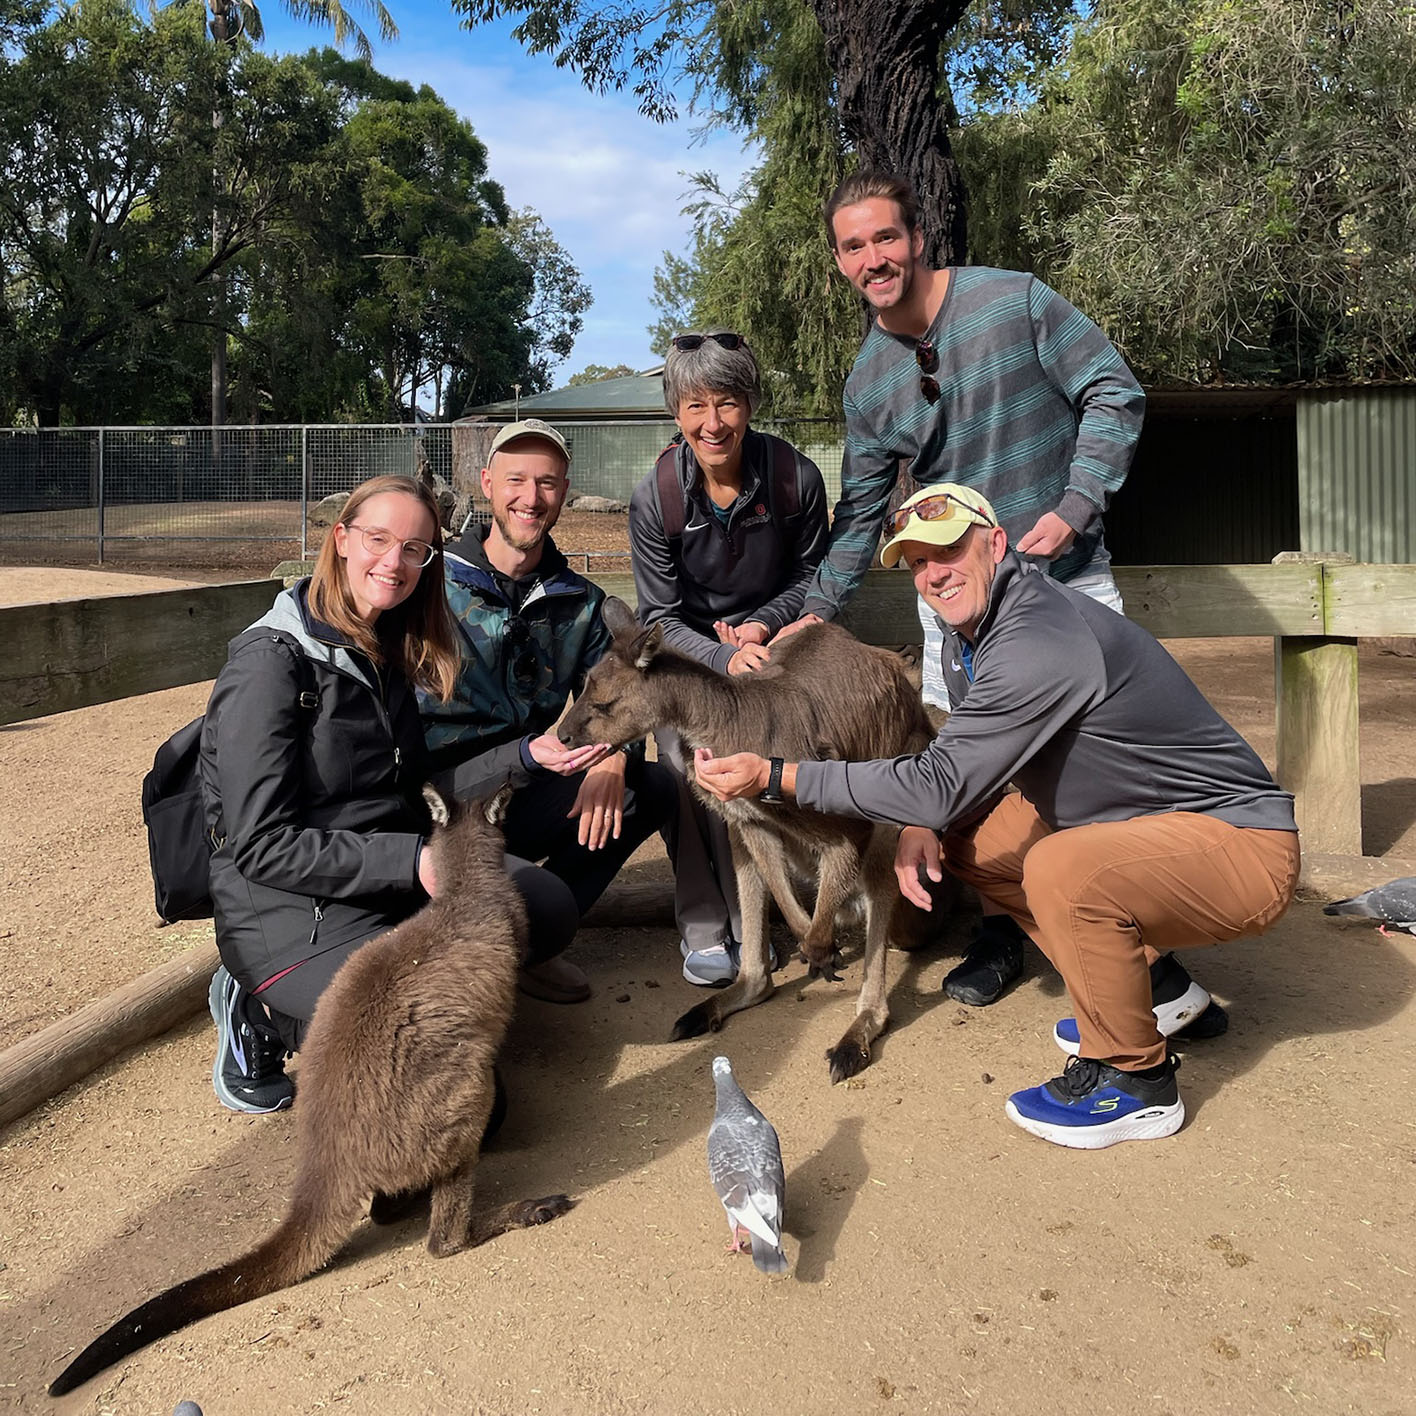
{"x": 495, "y": 807}
{"x": 643, "y": 650}
{"x": 619, "y": 618}
{"x": 437, "y": 807}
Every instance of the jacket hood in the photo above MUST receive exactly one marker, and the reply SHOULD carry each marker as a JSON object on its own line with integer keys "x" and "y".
{"x": 290, "y": 614}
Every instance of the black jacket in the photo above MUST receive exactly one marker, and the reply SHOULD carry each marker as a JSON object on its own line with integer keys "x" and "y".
{"x": 757, "y": 567}
{"x": 312, "y": 768}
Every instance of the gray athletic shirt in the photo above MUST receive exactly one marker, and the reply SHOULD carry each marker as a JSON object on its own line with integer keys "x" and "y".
{"x": 1081, "y": 708}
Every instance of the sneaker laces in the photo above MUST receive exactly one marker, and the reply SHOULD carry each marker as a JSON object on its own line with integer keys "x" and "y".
{"x": 265, "y": 1052}
{"x": 1081, "y": 1076}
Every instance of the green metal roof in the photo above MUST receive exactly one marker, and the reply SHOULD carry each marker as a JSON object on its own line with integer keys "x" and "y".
{"x": 633, "y": 396}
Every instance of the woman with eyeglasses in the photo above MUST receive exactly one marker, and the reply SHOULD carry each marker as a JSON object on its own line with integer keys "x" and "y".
{"x": 725, "y": 536}
{"x": 312, "y": 774}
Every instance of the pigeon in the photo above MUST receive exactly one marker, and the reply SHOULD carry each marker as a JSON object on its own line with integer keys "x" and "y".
{"x": 745, "y": 1165}
{"x": 1394, "y": 903}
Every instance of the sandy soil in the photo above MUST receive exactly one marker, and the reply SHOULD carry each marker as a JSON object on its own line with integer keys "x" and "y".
{"x": 1263, "y": 1260}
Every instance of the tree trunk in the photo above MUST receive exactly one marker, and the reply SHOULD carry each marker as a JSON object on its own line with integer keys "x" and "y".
{"x": 885, "y": 55}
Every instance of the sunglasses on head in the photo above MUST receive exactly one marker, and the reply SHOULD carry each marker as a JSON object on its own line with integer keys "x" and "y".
{"x": 939, "y": 507}
{"x": 927, "y": 357}
{"x": 685, "y": 343}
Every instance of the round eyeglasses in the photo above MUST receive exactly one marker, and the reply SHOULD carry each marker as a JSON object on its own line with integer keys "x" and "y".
{"x": 378, "y": 542}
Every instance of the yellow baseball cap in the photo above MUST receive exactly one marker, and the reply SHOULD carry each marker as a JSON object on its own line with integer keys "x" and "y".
{"x": 936, "y": 516}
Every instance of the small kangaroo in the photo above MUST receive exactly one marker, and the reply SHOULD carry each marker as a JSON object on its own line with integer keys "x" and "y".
{"x": 823, "y": 694}
{"x": 396, "y": 1088}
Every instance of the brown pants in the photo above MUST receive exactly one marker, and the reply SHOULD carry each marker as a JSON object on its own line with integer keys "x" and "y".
{"x": 1103, "y": 902}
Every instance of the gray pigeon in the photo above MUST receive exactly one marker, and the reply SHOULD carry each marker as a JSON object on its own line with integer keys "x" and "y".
{"x": 1394, "y": 903}
{"x": 745, "y": 1165}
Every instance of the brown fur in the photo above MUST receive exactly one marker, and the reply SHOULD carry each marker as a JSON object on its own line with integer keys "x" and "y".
{"x": 824, "y": 694}
{"x": 396, "y": 1087}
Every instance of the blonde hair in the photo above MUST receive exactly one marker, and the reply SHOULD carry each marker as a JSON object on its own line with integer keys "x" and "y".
{"x": 427, "y": 653}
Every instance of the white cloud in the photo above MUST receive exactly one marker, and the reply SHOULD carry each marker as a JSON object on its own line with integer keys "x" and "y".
{"x": 607, "y": 181}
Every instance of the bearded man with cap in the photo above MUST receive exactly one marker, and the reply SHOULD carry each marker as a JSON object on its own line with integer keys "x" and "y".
{"x": 530, "y": 629}
{"x": 1142, "y": 821}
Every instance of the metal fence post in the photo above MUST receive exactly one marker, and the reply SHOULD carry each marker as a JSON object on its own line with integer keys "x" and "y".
{"x": 100, "y": 496}
{"x": 304, "y": 491}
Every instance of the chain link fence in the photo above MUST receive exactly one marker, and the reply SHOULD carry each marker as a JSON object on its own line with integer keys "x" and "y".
{"x": 247, "y": 497}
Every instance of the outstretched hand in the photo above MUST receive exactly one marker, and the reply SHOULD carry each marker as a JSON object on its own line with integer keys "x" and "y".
{"x": 550, "y": 752}
{"x": 789, "y": 629}
{"x": 918, "y": 849}
{"x": 748, "y": 658}
{"x": 741, "y": 774}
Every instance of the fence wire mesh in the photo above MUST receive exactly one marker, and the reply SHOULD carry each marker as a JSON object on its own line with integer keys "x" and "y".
{"x": 243, "y": 498}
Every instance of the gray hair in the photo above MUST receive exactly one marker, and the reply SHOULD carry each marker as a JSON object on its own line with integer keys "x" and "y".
{"x": 711, "y": 369}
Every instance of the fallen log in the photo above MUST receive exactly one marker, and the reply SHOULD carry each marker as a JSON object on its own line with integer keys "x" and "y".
{"x": 41, "y": 1066}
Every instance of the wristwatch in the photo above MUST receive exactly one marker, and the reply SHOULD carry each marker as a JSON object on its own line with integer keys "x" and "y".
{"x": 773, "y": 792}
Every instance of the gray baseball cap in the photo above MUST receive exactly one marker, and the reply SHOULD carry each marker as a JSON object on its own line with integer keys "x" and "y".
{"x": 529, "y": 428}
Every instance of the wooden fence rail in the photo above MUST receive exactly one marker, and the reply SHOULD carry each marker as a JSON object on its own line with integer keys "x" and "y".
{"x": 81, "y": 652}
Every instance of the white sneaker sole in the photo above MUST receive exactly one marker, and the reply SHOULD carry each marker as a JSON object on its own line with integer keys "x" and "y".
{"x": 1151, "y": 1124}
{"x": 1169, "y": 1017}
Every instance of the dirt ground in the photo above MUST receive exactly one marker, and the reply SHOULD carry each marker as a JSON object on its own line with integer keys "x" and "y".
{"x": 1262, "y": 1260}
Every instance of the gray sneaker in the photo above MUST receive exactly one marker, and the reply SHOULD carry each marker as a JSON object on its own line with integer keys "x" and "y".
{"x": 714, "y": 967}
{"x": 249, "y": 1071}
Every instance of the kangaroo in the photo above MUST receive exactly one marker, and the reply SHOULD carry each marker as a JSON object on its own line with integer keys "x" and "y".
{"x": 396, "y": 1088}
{"x": 823, "y": 694}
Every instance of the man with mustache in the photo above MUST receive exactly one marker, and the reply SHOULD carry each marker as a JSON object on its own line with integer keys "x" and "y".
{"x": 989, "y": 379}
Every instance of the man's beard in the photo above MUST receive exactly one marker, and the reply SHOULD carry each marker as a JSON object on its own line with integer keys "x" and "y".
{"x": 518, "y": 539}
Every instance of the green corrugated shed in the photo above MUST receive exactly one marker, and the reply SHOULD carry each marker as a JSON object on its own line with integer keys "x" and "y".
{"x": 1357, "y": 472}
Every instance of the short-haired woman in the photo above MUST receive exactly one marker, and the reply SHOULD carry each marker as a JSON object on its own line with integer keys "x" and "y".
{"x": 725, "y": 536}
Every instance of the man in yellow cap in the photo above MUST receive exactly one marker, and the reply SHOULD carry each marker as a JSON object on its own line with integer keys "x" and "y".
{"x": 1143, "y": 822}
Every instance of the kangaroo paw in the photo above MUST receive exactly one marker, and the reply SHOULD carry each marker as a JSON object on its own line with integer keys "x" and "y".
{"x": 698, "y": 1020}
{"x": 544, "y": 1210}
{"x": 846, "y": 1059}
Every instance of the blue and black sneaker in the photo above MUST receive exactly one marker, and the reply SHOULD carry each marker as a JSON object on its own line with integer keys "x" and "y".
{"x": 249, "y": 1071}
{"x": 1181, "y": 1006}
{"x": 1092, "y": 1105}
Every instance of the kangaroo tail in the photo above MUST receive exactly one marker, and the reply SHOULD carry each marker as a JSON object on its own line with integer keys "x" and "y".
{"x": 306, "y": 1240}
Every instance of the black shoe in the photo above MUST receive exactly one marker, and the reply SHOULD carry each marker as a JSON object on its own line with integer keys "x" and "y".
{"x": 989, "y": 965}
{"x": 249, "y": 1071}
{"x": 1185, "y": 1010}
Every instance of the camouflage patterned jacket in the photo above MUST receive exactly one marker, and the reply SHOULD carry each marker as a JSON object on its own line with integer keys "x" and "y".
{"x": 518, "y": 666}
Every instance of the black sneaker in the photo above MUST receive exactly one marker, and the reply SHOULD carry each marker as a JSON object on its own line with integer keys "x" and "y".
{"x": 989, "y": 965}
{"x": 1182, "y": 1008}
{"x": 249, "y": 1071}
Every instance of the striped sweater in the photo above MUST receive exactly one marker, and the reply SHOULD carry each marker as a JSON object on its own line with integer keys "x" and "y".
{"x": 1037, "y": 411}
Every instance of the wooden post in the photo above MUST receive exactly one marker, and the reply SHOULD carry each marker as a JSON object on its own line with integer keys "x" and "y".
{"x": 1316, "y": 694}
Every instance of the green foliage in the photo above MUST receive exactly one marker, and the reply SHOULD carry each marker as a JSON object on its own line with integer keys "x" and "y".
{"x": 363, "y": 252}
{"x": 557, "y": 312}
{"x": 109, "y": 152}
{"x": 598, "y": 373}
{"x": 1232, "y": 190}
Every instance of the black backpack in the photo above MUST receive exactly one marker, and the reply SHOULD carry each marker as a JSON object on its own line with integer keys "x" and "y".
{"x": 179, "y": 845}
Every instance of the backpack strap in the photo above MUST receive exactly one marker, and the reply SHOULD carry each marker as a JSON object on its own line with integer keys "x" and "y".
{"x": 785, "y": 499}
{"x": 671, "y": 507}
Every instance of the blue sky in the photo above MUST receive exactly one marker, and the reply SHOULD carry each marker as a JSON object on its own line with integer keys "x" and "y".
{"x": 607, "y": 181}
